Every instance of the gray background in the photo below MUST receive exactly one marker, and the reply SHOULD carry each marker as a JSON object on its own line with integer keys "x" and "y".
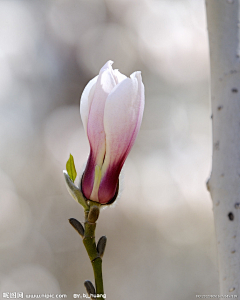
{"x": 161, "y": 242}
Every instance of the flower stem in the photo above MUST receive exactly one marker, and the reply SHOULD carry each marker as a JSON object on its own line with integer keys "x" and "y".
{"x": 97, "y": 269}
{"x": 95, "y": 252}
{"x": 96, "y": 260}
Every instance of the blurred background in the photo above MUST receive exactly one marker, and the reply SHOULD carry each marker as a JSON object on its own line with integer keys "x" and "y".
{"x": 161, "y": 242}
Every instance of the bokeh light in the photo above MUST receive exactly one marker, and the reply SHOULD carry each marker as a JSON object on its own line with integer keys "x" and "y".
{"x": 161, "y": 242}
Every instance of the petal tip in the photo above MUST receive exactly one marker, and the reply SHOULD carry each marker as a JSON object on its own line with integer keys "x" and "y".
{"x": 137, "y": 74}
{"x": 108, "y": 65}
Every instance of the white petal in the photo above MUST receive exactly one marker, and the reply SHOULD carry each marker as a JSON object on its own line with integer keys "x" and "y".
{"x": 122, "y": 118}
{"x": 88, "y": 93}
{"x": 95, "y": 128}
{"x": 118, "y": 76}
{"x": 107, "y": 66}
{"x": 86, "y": 100}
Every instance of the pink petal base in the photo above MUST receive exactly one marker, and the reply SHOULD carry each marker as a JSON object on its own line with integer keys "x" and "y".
{"x": 88, "y": 177}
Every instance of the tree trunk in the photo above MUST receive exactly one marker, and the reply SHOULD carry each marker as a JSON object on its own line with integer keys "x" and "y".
{"x": 224, "y": 182}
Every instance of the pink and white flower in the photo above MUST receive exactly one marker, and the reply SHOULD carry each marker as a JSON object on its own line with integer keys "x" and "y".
{"x": 111, "y": 110}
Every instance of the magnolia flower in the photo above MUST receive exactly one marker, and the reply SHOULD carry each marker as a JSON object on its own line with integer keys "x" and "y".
{"x": 111, "y": 110}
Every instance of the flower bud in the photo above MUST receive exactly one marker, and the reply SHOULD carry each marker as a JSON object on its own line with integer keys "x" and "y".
{"x": 90, "y": 288}
{"x": 101, "y": 245}
{"x": 111, "y": 110}
{"x": 77, "y": 226}
{"x": 93, "y": 214}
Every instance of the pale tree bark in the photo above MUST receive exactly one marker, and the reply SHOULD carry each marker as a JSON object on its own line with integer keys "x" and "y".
{"x": 224, "y": 183}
